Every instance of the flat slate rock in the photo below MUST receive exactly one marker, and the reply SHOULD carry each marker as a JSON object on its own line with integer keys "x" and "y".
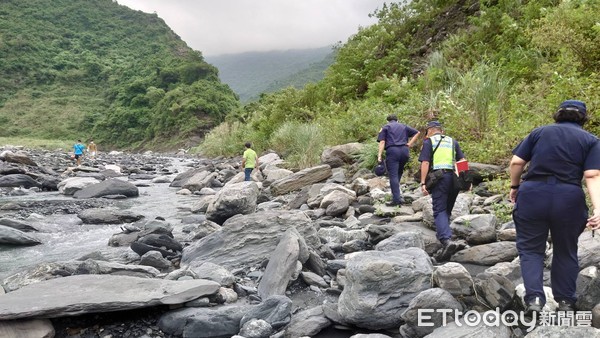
{"x": 79, "y": 294}
{"x": 108, "y": 187}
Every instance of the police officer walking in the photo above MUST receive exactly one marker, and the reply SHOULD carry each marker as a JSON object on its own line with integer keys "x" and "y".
{"x": 394, "y": 138}
{"x": 550, "y": 199}
{"x": 439, "y": 153}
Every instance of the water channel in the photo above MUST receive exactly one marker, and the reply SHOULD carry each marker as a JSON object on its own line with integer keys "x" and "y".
{"x": 65, "y": 237}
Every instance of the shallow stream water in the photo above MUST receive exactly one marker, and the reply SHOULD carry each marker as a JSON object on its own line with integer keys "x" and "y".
{"x": 65, "y": 237}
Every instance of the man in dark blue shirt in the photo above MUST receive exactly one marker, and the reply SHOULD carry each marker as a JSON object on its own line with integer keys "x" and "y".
{"x": 394, "y": 138}
{"x": 550, "y": 199}
{"x": 439, "y": 153}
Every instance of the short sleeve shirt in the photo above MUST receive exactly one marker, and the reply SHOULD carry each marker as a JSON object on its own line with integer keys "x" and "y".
{"x": 250, "y": 157}
{"x": 395, "y": 134}
{"x": 79, "y": 148}
{"x": 427, "y": 151}
{"x": 563, "y": 150}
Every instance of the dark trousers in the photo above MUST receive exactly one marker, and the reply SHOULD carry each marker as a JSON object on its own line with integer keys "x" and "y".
{"x": 560, "y": 209}
{"x": 395, "y": 160}
{"x": 443, "y": 197}
{"x": 247, "y": 173}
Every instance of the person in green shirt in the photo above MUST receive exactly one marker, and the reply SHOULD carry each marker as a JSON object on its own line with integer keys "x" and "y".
{"x": 249, "y": 161}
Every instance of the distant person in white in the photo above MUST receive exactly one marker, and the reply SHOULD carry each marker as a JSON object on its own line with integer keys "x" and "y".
{"x": 92, "y": 149}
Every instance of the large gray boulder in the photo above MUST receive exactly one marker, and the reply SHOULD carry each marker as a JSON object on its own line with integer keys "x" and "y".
{"x": 308, "y": 322}
{"x": 588, "y": 288}
{"x": 108, "y": 216}
{"x": 155, "y": 259}
{"x": 454, "y": 278}
{"x": 76, "y": 295}
{"x": 496, "y": 290}
{"x": 300, "y": 179}
{"x": 222, "y": 321}
{"x": 336, "y": 203}
{"x": 108, "y": 187}
{"x": 247, "y": 240}
{"x": 487, "y": 254}
{"x": 340, "y": 155}
{"x": 17, "y": 224}
{"x": 12, "y": 236}
{"x": 255, "y": 328}
{"x": 431, "y": 299}
{"x": 269, "y": 159}
{"x": 47, "y": 271}
{"x": 199, "y": 180}
{"x": 588, "y": 248}
{"x": 214, "y": 272}
{"x": 338, "y": 235}
{"x": 18, "y": 180}
{"x": 282, "y": 265}
{"x": 321, "y": 195}
{"x": 379, "y": 285}
{"x": 234, "y": 199}
{"x": 20, "y": 157}
{"x": 273, "y": 173}
{"x": 380, "y": 232}
{"x": 275, "y": 310}
{"x": 476, "y": 229}
{"x": 71, "y": 185}
{"x": 182, "y": 178}
{"x": 402, "y": 240}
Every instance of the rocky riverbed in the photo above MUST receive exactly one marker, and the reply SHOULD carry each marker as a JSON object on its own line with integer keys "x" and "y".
{"x": 171, "y": 245}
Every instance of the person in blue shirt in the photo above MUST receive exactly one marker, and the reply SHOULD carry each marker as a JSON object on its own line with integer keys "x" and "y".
{"x": 394, "y": 139}
{"x": 549, "y": 199}
{"x": 439, "y": 153}
{"x": 79, "y": 148}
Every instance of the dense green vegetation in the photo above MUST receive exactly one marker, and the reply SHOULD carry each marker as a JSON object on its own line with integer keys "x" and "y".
{"x": 252, "y": 73}
{"x": 490, "y": 71}
{"x": 95, "y": 69}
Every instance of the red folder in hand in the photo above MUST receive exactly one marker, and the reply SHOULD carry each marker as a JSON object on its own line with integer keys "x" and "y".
{"x": 461, "y": 166}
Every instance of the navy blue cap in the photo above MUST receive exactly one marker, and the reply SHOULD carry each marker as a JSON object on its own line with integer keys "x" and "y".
{"x": 433, "y": 124}
{"x": 380, "y": 169}
{"x": 574, "y": 104}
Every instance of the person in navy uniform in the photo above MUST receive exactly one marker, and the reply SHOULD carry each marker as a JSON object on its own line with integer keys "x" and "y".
{"x": 443, "y": 194}
{"x": 550, "y": 199}
{"x": 394, "y": 139}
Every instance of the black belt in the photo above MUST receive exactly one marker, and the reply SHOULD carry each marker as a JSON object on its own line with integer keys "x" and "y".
{"x": 444, "y": 170}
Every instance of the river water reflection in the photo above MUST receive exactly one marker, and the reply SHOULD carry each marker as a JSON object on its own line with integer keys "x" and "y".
{"x": 65, "y": 237}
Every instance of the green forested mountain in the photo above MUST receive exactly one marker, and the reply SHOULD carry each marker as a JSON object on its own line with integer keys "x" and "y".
{"x": 96, "y": 69}
{"x": 252, "y": 73}
{"x": 311, "y": 74}
{"x": 489, "y": 70}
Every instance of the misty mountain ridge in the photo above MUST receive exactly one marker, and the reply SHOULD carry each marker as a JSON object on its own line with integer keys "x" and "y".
{"x": 251, "y": 73}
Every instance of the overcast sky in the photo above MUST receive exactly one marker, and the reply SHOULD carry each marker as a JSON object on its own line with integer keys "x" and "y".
{"x": 217, "y": 27}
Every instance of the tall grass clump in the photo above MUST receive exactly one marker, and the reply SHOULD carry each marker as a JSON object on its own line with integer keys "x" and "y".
{"x": 483, "y": 92}
{"x": 367, "y": 157}
{"x": 227, "y": 139}
{"x": 300, "y": 144}
{"x": 36, "y": 143}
